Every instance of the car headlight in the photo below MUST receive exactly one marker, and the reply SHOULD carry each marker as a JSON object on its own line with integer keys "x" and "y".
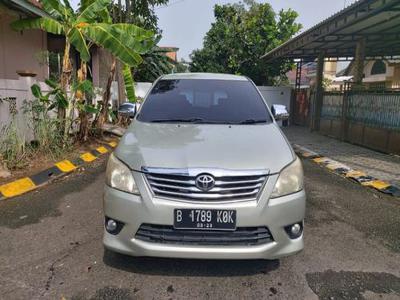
{"x": 118, "y": 176}
{"x": 290, "y": 180}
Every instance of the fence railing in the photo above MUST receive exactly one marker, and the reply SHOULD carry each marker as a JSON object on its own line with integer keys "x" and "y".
{"x": 368, "y": 118}
{"x": 376, "y": 109}
{"x": 332, "y": 105}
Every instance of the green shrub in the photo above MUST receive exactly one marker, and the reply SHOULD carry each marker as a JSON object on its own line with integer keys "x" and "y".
{"x": 13, "y": 149}
{"x": 48, "y": 138}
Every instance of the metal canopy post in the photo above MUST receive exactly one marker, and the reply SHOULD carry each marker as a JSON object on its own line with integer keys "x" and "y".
{"x": 319, "y": 93}
{"x": 296, "y": 92}
{"x": 298, "y": 75}
{"x": 359, "y": 62}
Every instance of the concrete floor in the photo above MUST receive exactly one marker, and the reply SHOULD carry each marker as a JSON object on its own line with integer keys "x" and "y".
{"x": 50, "y": 247}
{"x": 380, "y": 165}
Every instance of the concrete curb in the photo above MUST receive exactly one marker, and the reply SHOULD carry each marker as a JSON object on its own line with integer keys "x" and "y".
{"x": 115, "y": 130}
{"x": 60, "y": 169}
{"x": 347, "y": 172}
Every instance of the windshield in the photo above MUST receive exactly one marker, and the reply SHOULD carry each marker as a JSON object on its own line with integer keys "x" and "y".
{"x": 204, "y": 101}
{"x": 126, "y": 106}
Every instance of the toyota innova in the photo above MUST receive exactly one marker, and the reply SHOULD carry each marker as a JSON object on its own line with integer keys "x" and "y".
{"x": 204, "y": 172}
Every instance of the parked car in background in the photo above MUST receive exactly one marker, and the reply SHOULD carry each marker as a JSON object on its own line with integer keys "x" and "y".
{"x": 128, "y": 109}
{"x": 204, "y": 172}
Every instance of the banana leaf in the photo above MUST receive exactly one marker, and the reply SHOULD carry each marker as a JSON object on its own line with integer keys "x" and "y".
{"x": 46, "y": 24}
{"x": 129, "y": 84}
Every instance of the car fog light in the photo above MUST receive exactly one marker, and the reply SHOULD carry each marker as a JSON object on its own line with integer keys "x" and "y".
{"x": 112, "y": 226}
{"x": 295, "y": 230}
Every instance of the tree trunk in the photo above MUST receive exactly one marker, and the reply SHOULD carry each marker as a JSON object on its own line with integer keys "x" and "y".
{"x": 128, "y": 11}
{"x": 81, "y": 97}
{"x": 106, "y": 96}
{"x": 119, "y": 11}
{"x": 65, "y": 80}
{"x": 121, "y": 84}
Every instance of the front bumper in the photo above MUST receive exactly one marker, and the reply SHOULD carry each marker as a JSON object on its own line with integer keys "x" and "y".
{"x": 136, "y": 210}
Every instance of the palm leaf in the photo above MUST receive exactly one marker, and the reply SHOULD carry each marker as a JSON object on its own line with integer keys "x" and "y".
{"x": 77, "y": 39}
{"x": 104, "y": 16}
{"x": 92, "y": 10}
{"x": 54, "y": 8}
{"x": 129, "y": 84}
{"x": 136, "y": 38}
{"x": 134, "y": 31}
{"x": 103, "y": 35}
{"x": 83, "y": 4}
{"x": 46, "y": 24}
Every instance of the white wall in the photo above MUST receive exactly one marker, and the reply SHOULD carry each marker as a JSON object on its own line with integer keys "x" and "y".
{"x": 142, "y": 88}
{"x": 276, "y": 95}
{"x": 21, "y": 90}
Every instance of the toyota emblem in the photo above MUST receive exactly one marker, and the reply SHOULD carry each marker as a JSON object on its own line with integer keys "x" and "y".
{"x": 205, "y": 182}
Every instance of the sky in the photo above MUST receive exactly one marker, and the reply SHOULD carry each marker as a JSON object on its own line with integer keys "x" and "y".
{"x": 185, "y": 22}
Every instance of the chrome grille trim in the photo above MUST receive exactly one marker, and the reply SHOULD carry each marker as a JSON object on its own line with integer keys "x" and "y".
{"x": 195, "y": 189}
{"x": 229, "y": 185}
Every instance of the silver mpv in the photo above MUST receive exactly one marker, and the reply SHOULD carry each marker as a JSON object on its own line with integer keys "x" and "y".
{"x": 204, "y": 172}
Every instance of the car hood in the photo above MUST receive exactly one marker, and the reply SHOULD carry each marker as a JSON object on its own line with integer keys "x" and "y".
{"x": 185, "y": 146}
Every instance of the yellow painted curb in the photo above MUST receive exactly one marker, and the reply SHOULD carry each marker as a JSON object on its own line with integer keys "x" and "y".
{"x": 102, "y": 150}
{"x": 65, "y": 166}
{"x": 321, "y": 159}
{"x": 27, "y": 184}
{"x": 17, "y": 187}
{"x": 88, "y": 157}
{"x": 334, "y": 166}
{"x": 307, "y": 154}
{"x": 355, "y": 174}
{"x": 378, "y": 184}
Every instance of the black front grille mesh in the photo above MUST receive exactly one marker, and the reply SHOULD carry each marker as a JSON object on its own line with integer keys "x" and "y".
{"x": 242, "y": 236}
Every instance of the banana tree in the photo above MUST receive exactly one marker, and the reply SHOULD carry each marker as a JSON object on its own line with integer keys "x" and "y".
{"x": 155, "y": 63}
{"x": 90, "y": 25}
{"x": 140, "y": 46}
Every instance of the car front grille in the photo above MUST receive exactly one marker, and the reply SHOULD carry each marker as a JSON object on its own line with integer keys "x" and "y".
{"x": 243, "y": 186}
{"x": 242, "y": 236}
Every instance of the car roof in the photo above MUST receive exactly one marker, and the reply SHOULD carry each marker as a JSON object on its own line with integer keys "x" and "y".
{"x": 210, "y": 76}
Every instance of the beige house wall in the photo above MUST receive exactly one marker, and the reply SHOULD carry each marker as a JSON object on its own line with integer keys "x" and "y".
{"x": 20, "y": 50}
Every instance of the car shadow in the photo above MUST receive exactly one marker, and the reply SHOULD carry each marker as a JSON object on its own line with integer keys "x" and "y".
{"x": 188, "y": 267}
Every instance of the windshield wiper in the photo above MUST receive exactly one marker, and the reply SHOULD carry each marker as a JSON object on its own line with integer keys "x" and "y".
{"x": 191, "y": 120}
{"x": 252, "y": 121}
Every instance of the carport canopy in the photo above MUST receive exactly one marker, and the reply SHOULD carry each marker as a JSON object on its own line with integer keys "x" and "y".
{"x": 376, "y": 22}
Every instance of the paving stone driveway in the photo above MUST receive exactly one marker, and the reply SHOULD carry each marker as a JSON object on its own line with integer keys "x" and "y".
{"x": 376, "y": 164}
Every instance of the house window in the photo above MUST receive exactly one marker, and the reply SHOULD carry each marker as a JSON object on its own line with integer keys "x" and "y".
{"x": 55, "y": 65}
{"x": 379, "y": 67}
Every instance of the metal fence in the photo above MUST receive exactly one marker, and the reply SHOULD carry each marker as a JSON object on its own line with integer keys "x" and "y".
{"x": 368, "y": 118}
{"x": 332, "y": 106}
{"x": 375, "y": 109}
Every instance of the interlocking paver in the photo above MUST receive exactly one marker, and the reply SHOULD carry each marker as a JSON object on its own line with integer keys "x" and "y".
{"x": 376, "y": 164}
